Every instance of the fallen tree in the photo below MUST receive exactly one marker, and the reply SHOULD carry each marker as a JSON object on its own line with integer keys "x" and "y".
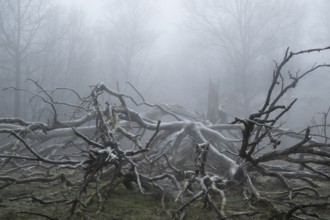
{"x": 108, "y": 141}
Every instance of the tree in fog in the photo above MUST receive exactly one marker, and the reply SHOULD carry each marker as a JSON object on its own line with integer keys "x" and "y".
{"x": 242, "y": 37}
{"x": 67, "y": 50}
{"x": 44, "y": 42}
{"x": 20, "y": 24}
{"x": 124, "y": 45}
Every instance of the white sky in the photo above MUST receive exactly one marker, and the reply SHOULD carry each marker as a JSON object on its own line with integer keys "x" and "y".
{"x": 167, "y": 17}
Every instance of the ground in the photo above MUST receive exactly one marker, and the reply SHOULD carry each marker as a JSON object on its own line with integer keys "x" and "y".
{"x": 19, "y": 202}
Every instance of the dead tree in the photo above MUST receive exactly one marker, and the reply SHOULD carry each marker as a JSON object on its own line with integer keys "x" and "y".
{"x": 107, "y": 142}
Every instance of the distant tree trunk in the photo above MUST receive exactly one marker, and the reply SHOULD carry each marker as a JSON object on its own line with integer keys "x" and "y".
{"x": 17, "y": 96}
{"x": 17, "y": 62}
{"x": 213, "y": 101}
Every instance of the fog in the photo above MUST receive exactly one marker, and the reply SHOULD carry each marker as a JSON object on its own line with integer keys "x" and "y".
{"x": 114, "y": 109}
{"x": 170, "y": 50}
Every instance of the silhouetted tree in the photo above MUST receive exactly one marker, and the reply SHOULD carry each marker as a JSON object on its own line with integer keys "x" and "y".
{"x": 124, "y": 44}
{"x": 243, "y": 36}
{"x": 20, "y": 24}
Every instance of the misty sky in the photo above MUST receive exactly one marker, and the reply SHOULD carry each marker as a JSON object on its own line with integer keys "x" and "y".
{"x": 167, "y": 12}
{"x": 169, "y": 19}
{"x": 182, "y": 45}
